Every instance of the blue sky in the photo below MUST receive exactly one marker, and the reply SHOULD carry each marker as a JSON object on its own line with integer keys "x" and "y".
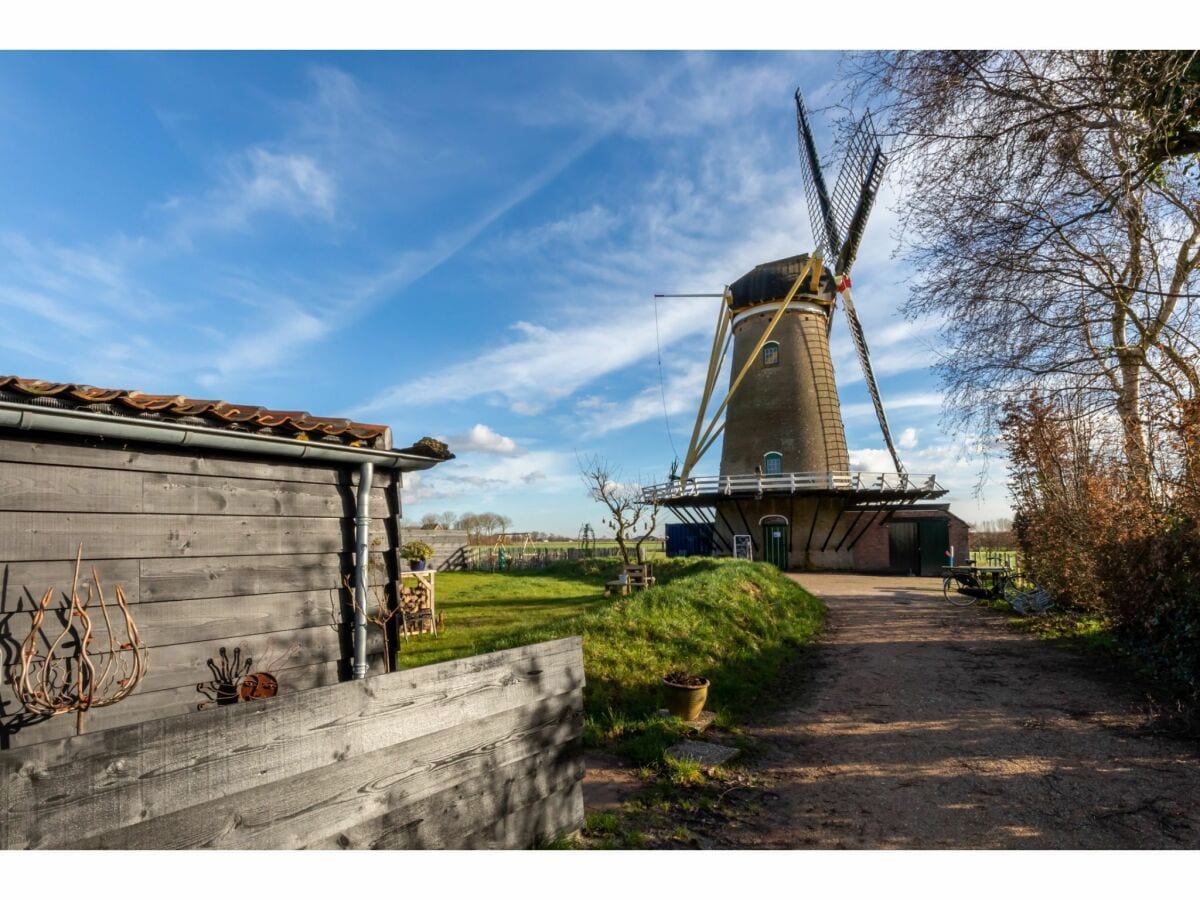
{"x": 460, "y": 245}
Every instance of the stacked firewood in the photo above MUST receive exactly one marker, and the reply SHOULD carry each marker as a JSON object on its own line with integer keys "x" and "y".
{"x": 418, "y": 612}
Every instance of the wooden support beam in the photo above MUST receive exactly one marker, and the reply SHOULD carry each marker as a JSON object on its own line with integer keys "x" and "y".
{"x": 750, "y": 360}
{"x": 853, "y": 525}
{"x": 832, "y": 529}
{"x": 715, "y": 359}
{"x": 717, "y": 514}
{"x": 812, "y": 526}
{"x": 870, "y": 524}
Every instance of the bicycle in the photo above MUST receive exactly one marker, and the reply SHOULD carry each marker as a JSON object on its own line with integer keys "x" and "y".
{"x": 966, "y": 585}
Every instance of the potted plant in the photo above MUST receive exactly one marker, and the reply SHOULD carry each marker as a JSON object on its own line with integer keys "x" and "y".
{"x": 417, "y": 553}
{"x": 685, "y": 694}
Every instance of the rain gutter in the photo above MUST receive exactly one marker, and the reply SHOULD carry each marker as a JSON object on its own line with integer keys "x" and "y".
{"x": 177, "y": 434}
{"x": 362, "y": 528}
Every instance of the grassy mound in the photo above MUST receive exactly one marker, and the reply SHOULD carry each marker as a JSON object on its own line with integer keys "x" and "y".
{"x": 734, "y": 622}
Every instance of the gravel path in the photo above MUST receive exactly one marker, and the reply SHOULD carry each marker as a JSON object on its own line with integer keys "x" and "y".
{"x": 921, "y": 725}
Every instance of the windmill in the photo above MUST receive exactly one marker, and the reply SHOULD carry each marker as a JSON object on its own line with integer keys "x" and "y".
{"x": 785, "y": 488}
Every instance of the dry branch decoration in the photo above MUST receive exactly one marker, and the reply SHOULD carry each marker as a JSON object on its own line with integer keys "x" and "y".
{"x": 69, "y": 678}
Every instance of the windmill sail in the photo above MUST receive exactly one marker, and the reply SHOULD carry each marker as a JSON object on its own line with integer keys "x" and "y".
{"x": 857, "y": 186}
{"x": 838, "y": 223}
{"x": 820, "y": 207}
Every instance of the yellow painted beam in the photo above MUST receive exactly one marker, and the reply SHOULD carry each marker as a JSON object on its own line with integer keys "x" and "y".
{"x": 704, "y": 441}
{"x": 716, "y": 357}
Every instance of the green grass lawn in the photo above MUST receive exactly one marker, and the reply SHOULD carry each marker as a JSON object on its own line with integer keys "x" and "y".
{"x": 737, "y": 623}
{"x": 484, "y": 611}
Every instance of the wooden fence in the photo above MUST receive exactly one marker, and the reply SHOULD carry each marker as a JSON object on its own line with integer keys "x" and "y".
{"x": 492, "y": 558}
{"x": 477, "y": 752}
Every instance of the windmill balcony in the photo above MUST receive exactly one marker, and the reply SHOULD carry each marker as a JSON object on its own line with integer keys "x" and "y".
{"x": 863, "y": 485}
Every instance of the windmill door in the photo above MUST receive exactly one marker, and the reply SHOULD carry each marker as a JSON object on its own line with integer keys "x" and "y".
{"x": 934, "y": 539}
{"x": 775, "y": 544}
{"x": 904, "y": 549}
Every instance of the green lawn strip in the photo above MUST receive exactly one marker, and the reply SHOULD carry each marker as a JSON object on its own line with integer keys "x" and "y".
{"x": 736, "y": 623}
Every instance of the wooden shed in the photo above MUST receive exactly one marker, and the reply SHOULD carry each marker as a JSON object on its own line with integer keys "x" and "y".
{"x": 240, "y": 533}
{"x": 228, "y": 526}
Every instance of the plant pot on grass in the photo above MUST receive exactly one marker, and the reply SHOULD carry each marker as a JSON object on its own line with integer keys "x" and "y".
{"x": 418, "y": 554}
{"x": 685, "y": 694}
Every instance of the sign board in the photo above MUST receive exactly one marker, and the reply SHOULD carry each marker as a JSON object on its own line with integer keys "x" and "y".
{"x": 743, "y": 548}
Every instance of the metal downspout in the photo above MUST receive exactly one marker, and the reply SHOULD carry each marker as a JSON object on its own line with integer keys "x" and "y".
{"x": 362, "y": 524}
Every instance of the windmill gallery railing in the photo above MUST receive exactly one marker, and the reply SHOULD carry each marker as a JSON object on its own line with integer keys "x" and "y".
{"x": 795, "y": 482}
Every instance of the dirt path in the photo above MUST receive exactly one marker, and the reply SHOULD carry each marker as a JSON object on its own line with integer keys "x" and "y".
{"x": 928, "y": 726}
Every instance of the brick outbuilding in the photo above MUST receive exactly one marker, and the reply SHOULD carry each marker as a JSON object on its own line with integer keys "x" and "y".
{"x": 913, "y": 539}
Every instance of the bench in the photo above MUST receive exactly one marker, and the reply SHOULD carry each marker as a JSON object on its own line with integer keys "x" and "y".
{"x": 632, "y": 578}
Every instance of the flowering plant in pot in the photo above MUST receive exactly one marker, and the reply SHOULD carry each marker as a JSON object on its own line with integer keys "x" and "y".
{"x": 685, "y": 694}
{"x": 417, "y": 553}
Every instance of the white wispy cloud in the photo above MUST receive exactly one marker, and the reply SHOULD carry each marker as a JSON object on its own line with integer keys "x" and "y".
{"x": 682, "y": 386}
{"x": 481, "y": 439}
{"x": 494, "y": 479}
{"x": 866, "y": 410}
{"x": 254, "y": 182}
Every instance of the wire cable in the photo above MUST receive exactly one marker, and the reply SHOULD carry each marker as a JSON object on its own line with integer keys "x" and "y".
{"x": 662, "y": 384}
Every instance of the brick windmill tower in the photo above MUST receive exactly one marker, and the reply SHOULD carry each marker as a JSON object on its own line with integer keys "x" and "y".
{"x": 785, "y": 491}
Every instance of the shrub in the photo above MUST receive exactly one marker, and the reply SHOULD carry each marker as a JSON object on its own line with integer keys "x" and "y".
{"x": 1108, "y": 545}
{"x": 416, "y": 550}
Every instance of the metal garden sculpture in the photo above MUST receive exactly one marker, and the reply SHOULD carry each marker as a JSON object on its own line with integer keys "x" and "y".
{"x": 88, "y": 664}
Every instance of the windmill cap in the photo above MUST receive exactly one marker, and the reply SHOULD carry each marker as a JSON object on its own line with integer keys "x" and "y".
{"x": 771, "y": 281}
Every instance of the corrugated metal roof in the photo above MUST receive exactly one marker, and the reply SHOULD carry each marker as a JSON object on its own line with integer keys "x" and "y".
{"x": 212, "y": 413}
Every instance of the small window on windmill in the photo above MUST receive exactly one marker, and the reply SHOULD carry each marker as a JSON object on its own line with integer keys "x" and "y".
{"x": 773, "y": 463}
{"x": 743, "y": 547}
{"x": 770, "y": 353}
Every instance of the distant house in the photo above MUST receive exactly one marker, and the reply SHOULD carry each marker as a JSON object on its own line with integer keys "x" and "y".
{"x": 228, "y": 525}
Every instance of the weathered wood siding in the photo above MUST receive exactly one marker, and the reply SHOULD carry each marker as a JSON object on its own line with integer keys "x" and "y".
{"x": 448, "y": 547}
{"x": 213, "y": 551}
{"x": 478, "y": 752}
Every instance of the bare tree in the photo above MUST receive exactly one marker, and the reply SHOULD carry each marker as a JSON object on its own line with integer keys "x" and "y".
{"x": 1053, "y": 216}
{"x": 431, "y": 521}
{"x": 631, "y": 517}
{"x": 483, "y": 525}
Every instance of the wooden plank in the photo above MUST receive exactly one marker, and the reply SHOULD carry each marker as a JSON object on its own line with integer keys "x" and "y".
{"x": 240, "y": 576}
{"x": 23, "y": 583}
{"x": 212, "y": 619}
{"x": 553, "y": 816}
{"x": 451, "y": 818}
{"x": 296, "y": 811}
{"x": 208, "y": 495}
{"x": 178, "y": 665}
{"x": 65, "y": 791}
{"x": 26, "y": 486}
{"x": 142, "y": 706}
{"x": 54, "y": 536}
{"x": 53, "y": 450}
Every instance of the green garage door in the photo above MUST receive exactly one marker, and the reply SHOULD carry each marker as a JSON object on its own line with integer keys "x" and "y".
{"x": 775, "y": 544}
{"x": 903, "y": 547}
{"x": 934, "y": 540}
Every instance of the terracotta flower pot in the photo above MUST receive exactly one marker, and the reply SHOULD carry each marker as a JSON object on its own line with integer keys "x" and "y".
{"x": 686, "y": 700}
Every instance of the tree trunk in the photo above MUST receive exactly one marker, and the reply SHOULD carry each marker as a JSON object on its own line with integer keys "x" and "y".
{"x": 1129, "y": 412}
